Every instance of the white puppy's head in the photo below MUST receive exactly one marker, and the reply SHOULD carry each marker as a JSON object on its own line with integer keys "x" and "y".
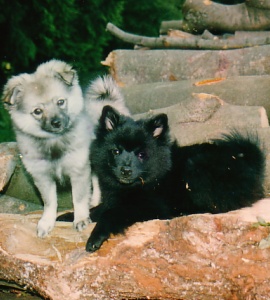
{"x": 45, "y": 103}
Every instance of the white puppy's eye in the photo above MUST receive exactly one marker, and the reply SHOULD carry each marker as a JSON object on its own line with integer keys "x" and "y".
{"x": 61, "y": 102}
{"x": 37, "y": 111}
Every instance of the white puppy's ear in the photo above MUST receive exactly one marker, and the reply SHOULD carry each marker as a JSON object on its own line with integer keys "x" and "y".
{"x": 64, "y": 72}
{"x": 13, "y": 90}
{"x": 58, "y": 69}
{"x": 67, "y": 77}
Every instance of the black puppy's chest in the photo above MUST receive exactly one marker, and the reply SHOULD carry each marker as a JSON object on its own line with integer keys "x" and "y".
{"x": 156, "y": 195}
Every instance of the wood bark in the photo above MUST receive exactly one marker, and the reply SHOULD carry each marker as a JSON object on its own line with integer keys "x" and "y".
{"x": 130, "y": 67}
{"x": 203, "y": 117}
{"x": 265, "y": 4}
{"x": 21, "y": 186}
{"x": 165, "y": 26}
{"x": 195, "y": 42}
{"x": 8, "y": 161}
{"x": 199, "y": 15}
{"x": 206, "y": 257}
{"x": 237, "y": 90}
{"x": 208, "y": 108}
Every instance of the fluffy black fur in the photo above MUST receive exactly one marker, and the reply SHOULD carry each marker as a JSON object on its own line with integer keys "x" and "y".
{"x": 143, "y": 175}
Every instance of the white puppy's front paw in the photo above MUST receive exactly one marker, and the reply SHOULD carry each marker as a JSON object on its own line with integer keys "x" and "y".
{"x": 44, "y": 227}
{"x": 81, "y": 225}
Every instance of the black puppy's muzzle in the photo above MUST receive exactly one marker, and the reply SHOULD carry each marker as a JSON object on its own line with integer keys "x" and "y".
{"x": 126, "y": 171}
{"x": 126, "y": 175}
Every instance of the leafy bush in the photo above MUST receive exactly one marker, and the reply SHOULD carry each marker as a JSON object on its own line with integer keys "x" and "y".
{"x": 71, "y": 30}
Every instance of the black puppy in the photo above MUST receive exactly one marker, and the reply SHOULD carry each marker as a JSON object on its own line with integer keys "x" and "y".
{"x": 143, "y": 175}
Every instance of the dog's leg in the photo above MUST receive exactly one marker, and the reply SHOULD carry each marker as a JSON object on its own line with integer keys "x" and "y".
{"x": 47, "y": 188}
{"x": 96, "y": 195}
{"x": 81, "y": 198}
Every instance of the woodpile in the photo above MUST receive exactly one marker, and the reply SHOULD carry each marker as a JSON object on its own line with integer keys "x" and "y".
{"x": 209, "y": 77}
{"x": 200, "y": 15}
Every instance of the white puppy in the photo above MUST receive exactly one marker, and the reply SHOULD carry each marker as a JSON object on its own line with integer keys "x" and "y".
{"x": 54, "y": 129}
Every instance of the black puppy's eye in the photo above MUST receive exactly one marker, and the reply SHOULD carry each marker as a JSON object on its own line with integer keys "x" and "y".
{"x": 115, "y": 152}
{"x": 141, "y": 155}
{"x": 60, "y": 102}
{"x": 37, "y": 111}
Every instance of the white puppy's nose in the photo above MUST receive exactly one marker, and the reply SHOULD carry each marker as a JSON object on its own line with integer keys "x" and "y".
{"x": 56, "y": 122}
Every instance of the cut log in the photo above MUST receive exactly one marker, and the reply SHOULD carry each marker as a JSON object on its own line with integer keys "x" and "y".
{"x": 265, "y": 4}
{"x": 165, "y": 26}
{"x": 251, "y": 34}
{"x": 17, "y": 183}
{"x": 204, "y": 117}
{"x": 202, "y": 108}
{"x": 238, "y": 90}
{"x": 194, "y": 42}
{"x": 204, "y": 257}
{"x": 199, "y": 15}
{"x": 130, "y": 67}
{"x": 10, "y": 205}
{"x": 8, "y": 162}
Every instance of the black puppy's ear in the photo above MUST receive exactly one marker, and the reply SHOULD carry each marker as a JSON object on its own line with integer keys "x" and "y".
{"x": 109, "y": 119}
{"x": 158, "y": 125}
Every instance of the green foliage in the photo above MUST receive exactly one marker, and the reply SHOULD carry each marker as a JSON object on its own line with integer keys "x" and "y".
{"x": 35, "y": 31}
{"x": 91, "y": 23}
{"x": 6, "y": 131}
{"x": 145, "y": 17}
{"x": 71, "y": 30}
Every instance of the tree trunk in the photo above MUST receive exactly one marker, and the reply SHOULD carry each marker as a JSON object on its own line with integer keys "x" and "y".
{"x": 204, "y": 257}
{"x": 237, "y": 90}
{"x": 189, "y": 42}
{"x": 130, "y": 67}
{"x": 202, "y": 117}
{"x": 265, "y": 4}
{"x": 199, "y": 15}
{"x": 8, "y": 161}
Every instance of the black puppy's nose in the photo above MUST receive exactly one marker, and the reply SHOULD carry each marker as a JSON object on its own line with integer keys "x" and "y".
{"x": 126, "y": 171}
{"x": 56, "y": 123}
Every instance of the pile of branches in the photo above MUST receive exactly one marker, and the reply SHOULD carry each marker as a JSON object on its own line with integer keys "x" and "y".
{"x": 210, "y": 26}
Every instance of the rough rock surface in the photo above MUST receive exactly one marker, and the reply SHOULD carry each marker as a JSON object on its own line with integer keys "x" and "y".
{"x": 194, "y": 257}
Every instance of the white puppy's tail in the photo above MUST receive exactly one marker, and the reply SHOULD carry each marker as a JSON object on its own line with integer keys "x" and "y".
{"x": 104, "y": 88}
{"x": 104, "y": 91}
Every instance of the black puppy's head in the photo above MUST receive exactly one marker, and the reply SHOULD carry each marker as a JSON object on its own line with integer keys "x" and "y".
{"x": 130, "y": 153}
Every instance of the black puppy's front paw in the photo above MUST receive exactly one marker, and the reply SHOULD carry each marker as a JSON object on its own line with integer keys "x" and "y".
{"x": 95, "y": 240}
{"x": 93, "y": 246}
